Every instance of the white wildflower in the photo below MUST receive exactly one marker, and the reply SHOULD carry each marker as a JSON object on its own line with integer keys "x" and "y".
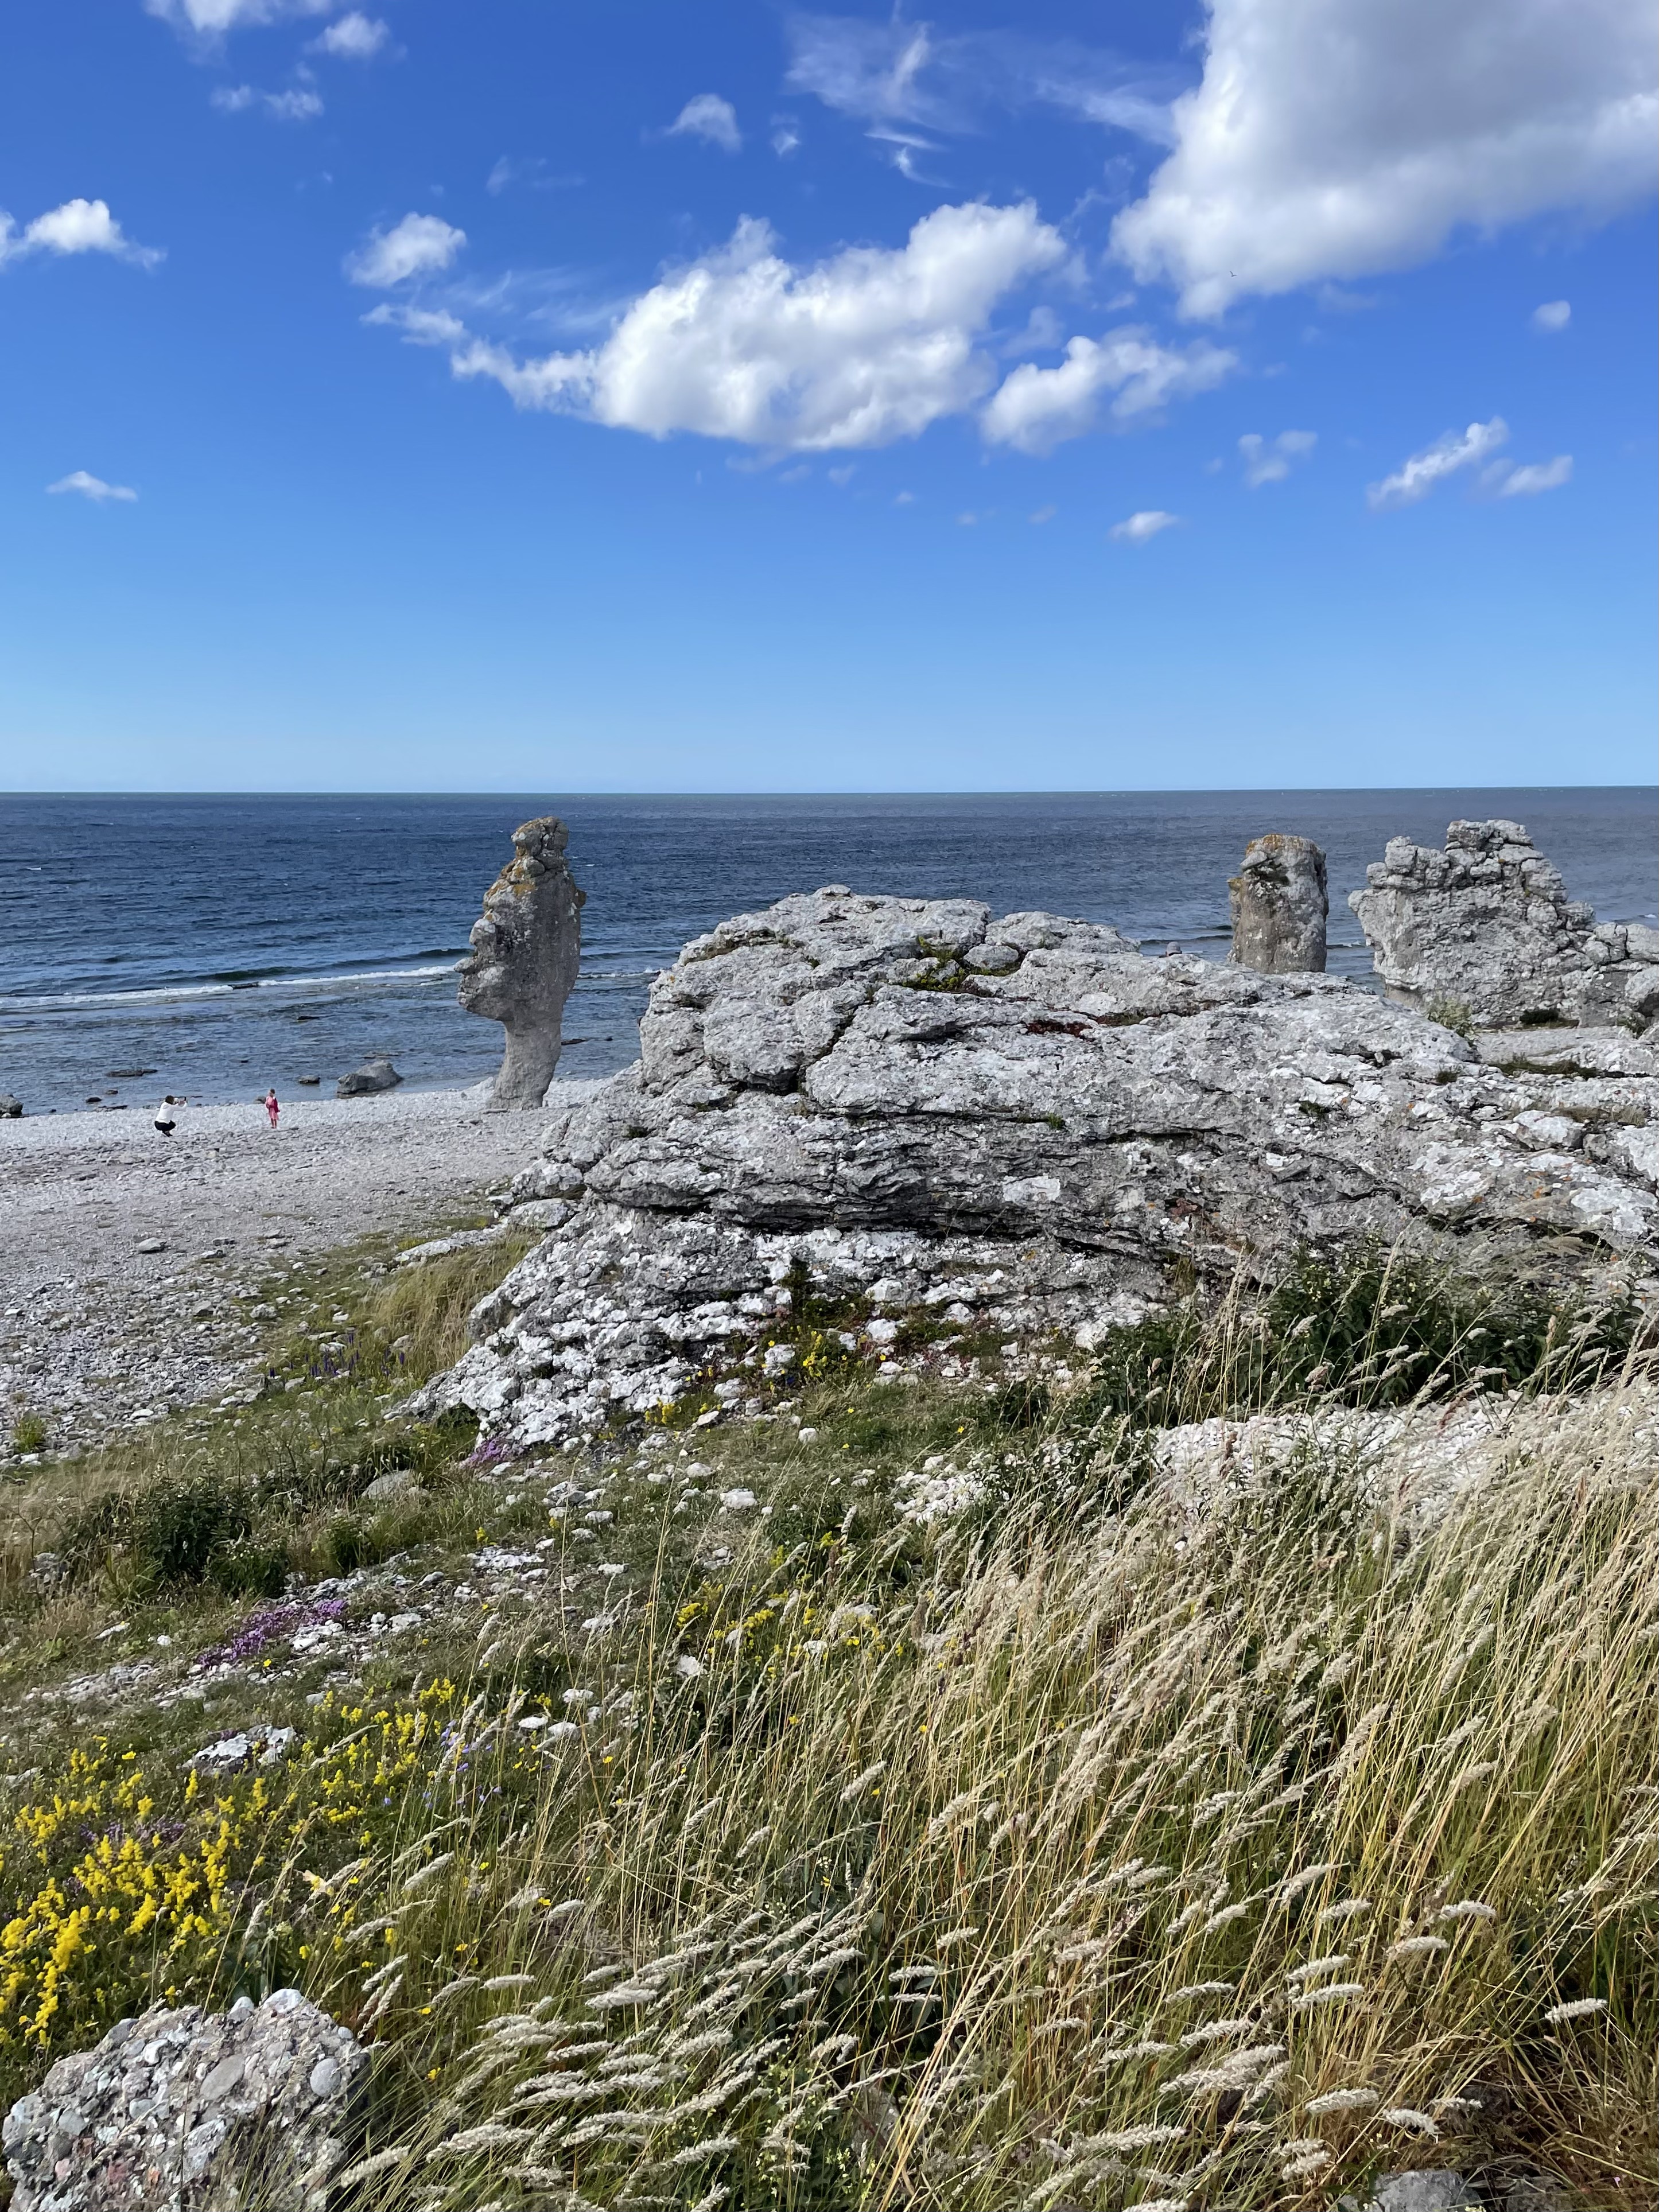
{"x": 1414, "y": 2122}
{"x": 687, "y": 1668}
{"x": 1580, "y": 2008}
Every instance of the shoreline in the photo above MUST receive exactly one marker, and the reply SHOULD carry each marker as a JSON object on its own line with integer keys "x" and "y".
{"x": 131, "y": 1267}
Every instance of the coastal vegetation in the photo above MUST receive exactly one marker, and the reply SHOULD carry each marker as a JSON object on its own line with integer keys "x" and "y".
{"x": 918, "y": 1797}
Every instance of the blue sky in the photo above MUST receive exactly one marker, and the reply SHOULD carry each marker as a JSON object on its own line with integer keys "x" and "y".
{"x": 550, "y": 394}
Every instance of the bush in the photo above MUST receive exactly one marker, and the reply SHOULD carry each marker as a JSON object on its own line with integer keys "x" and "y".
{"x": 29, "y": 1433}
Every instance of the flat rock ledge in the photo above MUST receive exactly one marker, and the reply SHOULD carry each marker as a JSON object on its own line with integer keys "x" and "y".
{"x": 1020, "y": 1126}
{"x": 188, "y": 2111}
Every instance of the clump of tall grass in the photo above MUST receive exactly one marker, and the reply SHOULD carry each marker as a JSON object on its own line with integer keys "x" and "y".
{"x": 1376, "y": 1326}
{"x": 1104, "y": 1859}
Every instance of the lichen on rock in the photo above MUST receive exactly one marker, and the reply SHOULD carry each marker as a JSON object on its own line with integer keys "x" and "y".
{"x": 182, "y": 2111}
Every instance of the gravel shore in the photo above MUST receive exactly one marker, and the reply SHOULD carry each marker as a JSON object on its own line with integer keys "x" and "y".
{"x": 128, "y": 1260}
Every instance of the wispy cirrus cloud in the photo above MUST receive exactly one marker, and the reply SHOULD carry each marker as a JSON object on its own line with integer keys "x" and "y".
{"x": 208, "y": 21}
{"x": 1141, "y": 528}
{"x": 905, "y": 81}
{"x": 92, "y": 487}
{"x": 77, "y": 227}
{"x": 1416, "y": 479}
{"x": 1525, "y": 481}
{"x": 1270, "y": 460}
{"x": 300, "y": 105}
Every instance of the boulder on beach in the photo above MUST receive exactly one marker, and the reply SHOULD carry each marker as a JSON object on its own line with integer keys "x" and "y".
{"x": 191, "y": 2108}
{"x": 526, "y": 945}
{"x": 377, "y": 1074}
{"x": 11, "y": 1109}
{"x": 1484, "y": 933}
{"x": 1023, "y": 1125}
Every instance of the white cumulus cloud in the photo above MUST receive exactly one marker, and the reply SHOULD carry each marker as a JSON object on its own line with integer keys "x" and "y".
{"x": 1554, "y": 315}
{"x": 1270, "y": 460}
{"x": 1138, "y": 529}
{"x": 76, "y": 227}
{"x": 865, "y": 347}
{"x": 91, "y": 487}
{"x": 1333, "y": 138}
{"x": 1535, "y": 477}
{"x": 416, "y": 246}
{"x": 707, "y": 116}
{"x": 1036, "y": 408}
{"x": 355, "y": 38}
{"x": 1458, "y": 449}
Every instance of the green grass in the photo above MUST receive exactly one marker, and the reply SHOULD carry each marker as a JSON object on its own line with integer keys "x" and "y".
{"x": 1002, "y": 1859}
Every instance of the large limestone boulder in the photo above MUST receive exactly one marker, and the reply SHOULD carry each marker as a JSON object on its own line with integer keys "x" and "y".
{"x": 525, "y": 949}
{"x": 1021, "y": 1124}
{"x": 1279, "y": 906}
{"x": 1485, "y": 930}
{"x": 188, "y": 2111}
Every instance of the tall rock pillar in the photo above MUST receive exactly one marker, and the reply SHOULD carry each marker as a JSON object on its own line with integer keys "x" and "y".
{"x": 1279, "y": 906}
{"x": 526, "y": 947}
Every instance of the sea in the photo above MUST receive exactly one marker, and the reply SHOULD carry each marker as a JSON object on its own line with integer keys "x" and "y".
{"x": 210, "y": 946}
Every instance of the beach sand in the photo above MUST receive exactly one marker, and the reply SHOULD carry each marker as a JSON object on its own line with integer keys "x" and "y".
{"x": 95, "y": 1331}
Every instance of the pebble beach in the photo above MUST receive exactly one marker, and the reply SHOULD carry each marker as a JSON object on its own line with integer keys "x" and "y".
{"x": 131, "y": 1260}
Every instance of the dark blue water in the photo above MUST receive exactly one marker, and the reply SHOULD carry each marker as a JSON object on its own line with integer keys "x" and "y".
{"x": 224, "y": 943}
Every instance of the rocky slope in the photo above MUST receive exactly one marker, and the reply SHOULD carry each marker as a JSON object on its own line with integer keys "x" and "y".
{"x": 1020, "y": 1126}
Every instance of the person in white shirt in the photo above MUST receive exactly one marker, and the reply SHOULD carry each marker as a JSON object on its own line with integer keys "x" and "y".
{"x": 166, "y": 1119}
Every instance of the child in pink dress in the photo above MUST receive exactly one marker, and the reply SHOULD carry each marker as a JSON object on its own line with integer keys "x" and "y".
{"x": 272, "y": 1106}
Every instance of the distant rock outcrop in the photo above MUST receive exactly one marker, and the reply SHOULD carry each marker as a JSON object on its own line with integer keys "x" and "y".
{"x": 1485, "y": 934}
{"x": 376, "y": 1074}
{"x": 1279, "y": 906}
{"x": 189, "y": 2111}
{"x": 1020, "y": 1126}
{"x": 525, "y": 949}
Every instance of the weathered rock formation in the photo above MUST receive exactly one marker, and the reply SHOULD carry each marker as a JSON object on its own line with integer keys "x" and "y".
{"x": 376, "y": 1074}
{"x": 1279, "y": 906}
{"x": 1484, "y": 932}
{"x": 188, "y": 2111}
{"x": 1020, "y": 1125}
{"x": 526, "y": 948}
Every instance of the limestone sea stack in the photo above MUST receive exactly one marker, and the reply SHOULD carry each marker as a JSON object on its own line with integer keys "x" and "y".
{"x": 1279, "y": 906}
{"x": 1484, "y": 932}
{"x": 526, "y": 948}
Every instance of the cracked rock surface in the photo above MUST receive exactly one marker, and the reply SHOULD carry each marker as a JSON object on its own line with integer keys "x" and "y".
{"x": 1023, "y": 1125}
{"x": 190, "y": 2111}
{"x": 1487, "y": 924}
